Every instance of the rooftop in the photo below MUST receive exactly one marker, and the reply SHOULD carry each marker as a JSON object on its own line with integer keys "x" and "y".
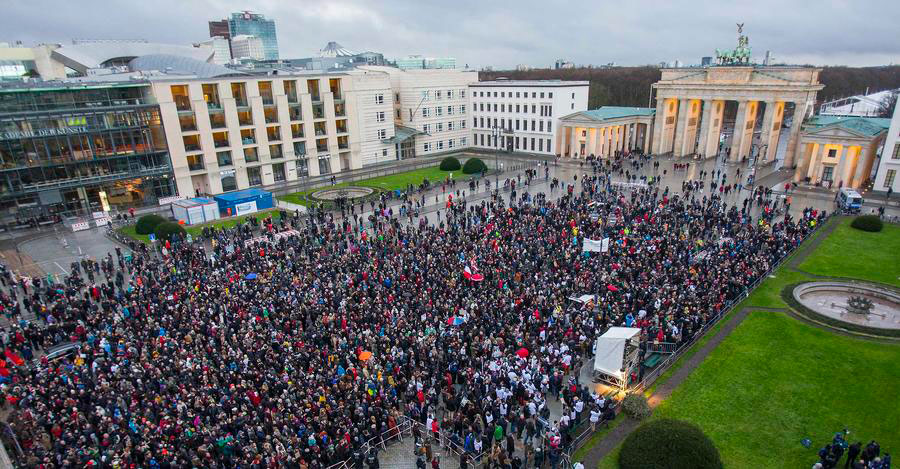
{"x": 614, "y": 112}
{"x": 539, "y": 83}
{"x": 870, "y": 126}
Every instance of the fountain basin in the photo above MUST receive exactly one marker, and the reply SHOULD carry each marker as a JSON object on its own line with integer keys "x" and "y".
{"x": 334, "y": 193}
{"x": 832, "y": 300}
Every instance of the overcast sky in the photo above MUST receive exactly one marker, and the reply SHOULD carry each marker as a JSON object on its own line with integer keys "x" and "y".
{"x": 501, "y": 34}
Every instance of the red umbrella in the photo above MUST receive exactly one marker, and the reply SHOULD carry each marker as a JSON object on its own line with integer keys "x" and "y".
{"x": 522, "y": 352}
{"x": 477, "y": 277}
{"x": 611, "y": 288}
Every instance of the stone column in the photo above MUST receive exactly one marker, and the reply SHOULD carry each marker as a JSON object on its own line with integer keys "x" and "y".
{"x": 689, "y": 131}
{"x": 843, "y": 166}
{"x": 743, "y": 130}
{"x": 573, "y": 139}
{"x": 598, "y": 145}
{"x": 863, "y": 167}
{"x": 560, "y": 131}
{"x": 647, "y": 139}
{"x": 658, "y": 123}
{"x": 705, "y": 121}
{"x": 793, "y": 139}
{"x": 803, "y": 161}
{"x": 814, "y": 159}
{"x": 619, "y": 135}
{"x": 771, "y": 128}
{"x": 681, "y": 127}
{"x": 604, "y": 144}
{"x": 592, "y": 141}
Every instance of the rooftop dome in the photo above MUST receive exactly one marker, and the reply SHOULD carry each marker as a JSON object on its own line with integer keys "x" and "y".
{"x": 333, "y": 49}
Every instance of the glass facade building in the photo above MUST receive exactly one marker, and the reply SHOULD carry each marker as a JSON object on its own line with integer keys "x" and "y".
{"x": 71, "y": 149}
{"x": 252, "y": 24}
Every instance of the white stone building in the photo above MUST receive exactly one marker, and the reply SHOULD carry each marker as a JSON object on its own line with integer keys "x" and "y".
{"x": 221, "y": 49}
{"x": 231, "y": 132}
{"x": 527, "y": 111}
{"x": 247, "y": 47}
{"x": 431, "y": 106}
{"x": 889, "y": 166}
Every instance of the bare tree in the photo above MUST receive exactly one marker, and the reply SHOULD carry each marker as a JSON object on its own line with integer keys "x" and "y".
{"x": 886, "y": 108}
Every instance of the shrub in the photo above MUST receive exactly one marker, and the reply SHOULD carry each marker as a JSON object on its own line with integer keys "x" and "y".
{"x": 147, "y": 223}
{"x": 869, "y": 223}
{"x": 450, "y": 164}
{"x": 669, "y": 444}
{"x": 473, "y": 166}
{"x": 166, "y": 230}
{"x": 635, "y": 406}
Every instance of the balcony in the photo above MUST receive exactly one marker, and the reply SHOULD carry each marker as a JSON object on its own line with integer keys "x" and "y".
{"x": 250, "y": 155}
{"x": 240, "y": 102}
{"x": 192, "y": 147}
{"x": 220, "y": 139}
{"x": 245, "y": 118}
{"x": 300, "y": 149}
{"x": 248, "y": 140}
{"x": 196, "y": 166}
{"x": 340, "y": 110}
{"x": 217, "y": 119}
{"x": 297, "y": 131}
{"x": 295, "y": 113}
{"x": 275, "y": 152}
{"x": 322, "y": 148}
{"x": 188, "y": 122}
{"x": 343, "y": 143}
{"x": 191, "y": 143}
{"x": 341, "y": 127}
{"x": 271, "y": 115}
{"x": 248, "y": 137}
{"x": 273, "y": 134}
{"x": 318, "y": 111}
{"x": 221, "y": 143}
{"x": 182, "y": 103}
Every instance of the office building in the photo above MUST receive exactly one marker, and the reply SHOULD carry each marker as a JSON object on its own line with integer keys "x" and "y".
{"x": 221, "y": 49}
{"x": 234, "y": 132}
{"x": 525, "y": 113}
{"x": 75, "y": 148}
{"x": 219, "y": 29}
{"x": 889, "y": 164}
{"x": 252, "y": 24}
{"x": 430, "y": 109}
{"x": 418, "y": 62}
{"x": 247, "y": 47}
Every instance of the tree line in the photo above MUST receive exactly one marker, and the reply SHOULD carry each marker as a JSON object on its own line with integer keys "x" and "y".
{"x": 630, "y": 86}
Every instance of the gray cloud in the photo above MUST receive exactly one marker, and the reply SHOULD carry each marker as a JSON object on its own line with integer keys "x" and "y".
{"x": 497, "y": 33}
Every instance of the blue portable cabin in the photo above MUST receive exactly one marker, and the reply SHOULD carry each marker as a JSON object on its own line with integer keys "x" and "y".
{"x": 244, "y": 202}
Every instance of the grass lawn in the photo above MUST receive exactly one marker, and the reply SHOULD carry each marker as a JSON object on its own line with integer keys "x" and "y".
{"x": 849, "y": 252}
{"x": 195, "y": 230}
{"x": 745, "y": 409}
{"x": 774, "y": 381}
{"x": 385, "y": 183}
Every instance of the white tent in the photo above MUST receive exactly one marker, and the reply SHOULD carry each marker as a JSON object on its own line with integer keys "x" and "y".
{"x": 610, "y": 352}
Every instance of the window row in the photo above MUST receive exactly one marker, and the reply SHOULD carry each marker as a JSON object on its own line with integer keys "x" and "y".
{"x": 439, "y": 110}
{"x": 440, "y": 145}
{"x": 545, "y": 110}
{"x": 537, "y": 125}
{"x": 440, "y": 127}
{"x": 443, "y": 94}
{"x": 518, "y": 143}
{"x": 509, "y": 94}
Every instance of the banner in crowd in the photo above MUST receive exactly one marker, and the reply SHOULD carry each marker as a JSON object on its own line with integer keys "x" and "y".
{"x": 275, "y": 237}
{"x": 595, "y": 245}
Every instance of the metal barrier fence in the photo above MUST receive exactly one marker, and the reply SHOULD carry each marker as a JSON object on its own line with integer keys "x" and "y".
{"x": 648, "y": 379}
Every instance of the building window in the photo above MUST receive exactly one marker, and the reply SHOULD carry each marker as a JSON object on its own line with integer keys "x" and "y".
{"x": 517, "y": 124}
{"x": 827, "y": 173}
{"x": 542, "y": 95}
{"x": 889, "y": 178}
{"x": 534, "y": 109}
{"x": 462, "y": 108}
{"x": 502, "y": 94}
{"x": 462, "y": 93}
{"x": 382, "y": 133}
{"x": 495, "y": 94}
{"x": 551, "y": 97}
{"x": 449, "y": 94}
{"x": 229, "y": 182}
{"x": 549, "y": 126}
{"x": 254, "y": 177}
{"x": 224, "y": 159}
{"x": 324, "y": 164}
{"x": 573, "y": 95}
{"x": 379, "y": 98}
{"x": 438, "y": 94}
{"x": 573, "y": 107}
{"x": 398, "y": 114}
{"x": 462, "y": 124}
{"x": 502, "y": 108}
{"x": 495, "y": 107}
{"x": 896, "y": 154}
{"x": 440, "y": 145}
{"x": 533, "y": 95}
{"x": 439, "y": 111}
{"x": 449, "y": 110}
{"x": 426, "y": 128}
{"x": 548, "y": 144}
{"x": 425, "y": 95}
{"x": 541, "y": 141}
{"x": 302, "y": 168}
{"x": 532, "y": 125}
{"x": 278, "y": 172}
{"x": 532, "y": 143}
{"x": 450, "y": 126}
{"x": 462, "y": 141}
{"x": 541, "y": 126}
{"x": 450, "y": 143}
{"x": 384, "y": 152}
{"x": 426, "y": 147}
{"x": 426, "y": 112}
{"x": 439, "y": 127}
{"x": 379, "y": 116}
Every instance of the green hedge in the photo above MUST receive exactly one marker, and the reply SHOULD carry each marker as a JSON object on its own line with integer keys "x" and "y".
{"x": 165, "y": 231}
{"x": 450, "y": 164}
{"x": 147, "y": 223}
{"x": 870, "y": 223}
{"x": 474, "y": 166}
{"x": 635, "y": 405}
{"x": 669, "y": 444}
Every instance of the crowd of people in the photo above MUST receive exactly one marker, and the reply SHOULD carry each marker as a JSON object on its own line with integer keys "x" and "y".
{"x": 243, "y": 349}
{"x": 859, "y": 456}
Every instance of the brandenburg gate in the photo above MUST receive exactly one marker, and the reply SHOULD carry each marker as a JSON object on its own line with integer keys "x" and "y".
{"x": 690, "y": 109}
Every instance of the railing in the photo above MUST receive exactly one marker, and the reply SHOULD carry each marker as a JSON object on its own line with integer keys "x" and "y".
{"x": 681, "y": 348}
{"x": 662, "y": 347}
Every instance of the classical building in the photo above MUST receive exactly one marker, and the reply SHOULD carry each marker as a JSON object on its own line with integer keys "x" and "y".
{"x": 235, "y": 131}
{"x": 889, "y": 164}
{"x": 430, "y": 108}
{"x": 74, "y": 148}
{"x": 605, "y": 131}
{"x": 691, "y": 104}
{"x": 837, "y": 151}
{"x": 525, "y": 113}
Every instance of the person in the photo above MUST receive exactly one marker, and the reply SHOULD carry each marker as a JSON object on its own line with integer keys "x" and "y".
{"x": 578, "y": 465}
{"x": 852, "y": 452}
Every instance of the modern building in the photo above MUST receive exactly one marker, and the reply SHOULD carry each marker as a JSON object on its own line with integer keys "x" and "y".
{"x": 235, "y": 132}
{"x": 605, "y": 132}
{"x": 861, "y": 105}
{"x": 430, "y": 109}
{"x": 252, "y": 24}
{"x": 835, "y": 151}
{"x": 335, "y": 57}
{"x": 525, "y": 113}
{"x": 219, "y": 29}
{"x": 76, "y": 148}
{"x": 247, "y": 47}
{"x": 418, "y": 62}
{"x": 706, "y": 61}
{"x": 84, "y": 56}
{"x": 889, "y": 164}
{"x": 221, "y": 49}
{"x": 562, "y": 63}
